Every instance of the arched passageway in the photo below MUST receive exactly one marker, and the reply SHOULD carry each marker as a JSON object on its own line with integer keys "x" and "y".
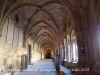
{"x": 48, "y": 54}
{"x": 66, "y": 30}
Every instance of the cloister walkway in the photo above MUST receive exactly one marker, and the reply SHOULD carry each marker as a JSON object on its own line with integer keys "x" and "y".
{"x": 43, "y": 67}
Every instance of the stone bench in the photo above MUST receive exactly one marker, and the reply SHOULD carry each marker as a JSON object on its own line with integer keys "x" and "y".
{"x": 65, "y": 71}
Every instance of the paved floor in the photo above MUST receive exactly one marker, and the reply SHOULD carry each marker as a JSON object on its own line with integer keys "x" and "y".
{"x": 43, "y": 67}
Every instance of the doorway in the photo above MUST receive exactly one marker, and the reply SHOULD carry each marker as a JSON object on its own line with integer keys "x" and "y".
{"x": 23, "y": 62}
{"x": 48, "y": 54}
{"x": 29, "y": 54}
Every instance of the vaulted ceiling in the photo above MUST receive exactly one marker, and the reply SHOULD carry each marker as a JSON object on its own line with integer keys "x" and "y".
{"x": 45, "y": 21}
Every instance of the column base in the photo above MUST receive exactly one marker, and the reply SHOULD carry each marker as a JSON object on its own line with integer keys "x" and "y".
{"x": 65, "y": 59}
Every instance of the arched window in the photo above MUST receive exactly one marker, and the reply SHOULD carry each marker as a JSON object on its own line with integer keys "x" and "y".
{"x": 74, "y": 47}
{"x": 69, "y": 52}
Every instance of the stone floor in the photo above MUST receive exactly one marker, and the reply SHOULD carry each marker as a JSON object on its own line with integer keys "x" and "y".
{"x": 43, "y": 67}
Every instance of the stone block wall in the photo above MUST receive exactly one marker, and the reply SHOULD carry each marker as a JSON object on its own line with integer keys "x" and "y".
{"x": 10, "y": 56}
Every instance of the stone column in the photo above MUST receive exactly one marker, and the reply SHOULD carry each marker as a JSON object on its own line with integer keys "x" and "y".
{"x": 69, "y": 52}
{"x": 58, "y": 52}
{"x": 57, "y": 62}
{"x": 61, "y": 55}
{"x": 88, "y": 47}
{"x": 65, "y": 47}
{"x": 65, "y": 50}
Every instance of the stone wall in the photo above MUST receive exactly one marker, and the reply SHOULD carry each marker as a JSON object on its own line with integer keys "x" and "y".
{"x": 10, "y": 56}
{"x": 36, "y": 53}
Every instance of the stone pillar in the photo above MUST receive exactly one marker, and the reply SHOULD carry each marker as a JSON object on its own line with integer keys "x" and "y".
{"x": 88, "y": 52}
{"x": 65, "y": 59}
{"x": 65, "y": 47}
{"x": 57, "y": 62}
{"x": 61, "y": 55}
{"x": 60, "y": 51}
{"x": 69, "y": 49}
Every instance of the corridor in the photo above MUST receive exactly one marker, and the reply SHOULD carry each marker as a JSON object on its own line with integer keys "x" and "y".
{"x": 42, "y": 67}
{"x": 33, "y": 32}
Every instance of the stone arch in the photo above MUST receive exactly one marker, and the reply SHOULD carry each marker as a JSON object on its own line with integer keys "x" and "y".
{"x": 68, "y": 38}
{"x": 74, "y": 47}
{"x": 73, "y": 35}
{"x": 48, "y": 51}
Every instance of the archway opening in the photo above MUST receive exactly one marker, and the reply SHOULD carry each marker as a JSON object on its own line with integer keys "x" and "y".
{"x": 48, "y": 54}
